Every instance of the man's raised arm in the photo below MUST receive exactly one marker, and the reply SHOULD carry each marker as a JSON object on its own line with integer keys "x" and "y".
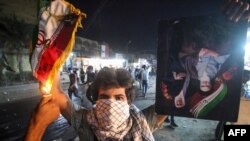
{"x": 48, "y": 110}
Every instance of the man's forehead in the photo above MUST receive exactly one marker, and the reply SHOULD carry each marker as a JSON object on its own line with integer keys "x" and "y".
{"x": 119, "y": 90}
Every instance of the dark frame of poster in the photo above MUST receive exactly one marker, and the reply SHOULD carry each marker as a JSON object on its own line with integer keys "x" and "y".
{"x": 224, "y": 43}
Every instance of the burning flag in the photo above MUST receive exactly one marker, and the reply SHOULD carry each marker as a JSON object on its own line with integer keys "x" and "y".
{"x": 54, "y": 40}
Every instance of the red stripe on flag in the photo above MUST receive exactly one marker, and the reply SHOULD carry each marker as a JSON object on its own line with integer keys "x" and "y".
{"x": 54, "y": 51}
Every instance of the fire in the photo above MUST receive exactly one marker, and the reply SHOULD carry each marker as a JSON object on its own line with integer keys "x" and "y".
{"x": 46, "y": 89}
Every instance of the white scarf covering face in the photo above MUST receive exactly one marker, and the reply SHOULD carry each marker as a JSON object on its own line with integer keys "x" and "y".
{"x": 116, "y": 120}
{"x": 111, "y": 114}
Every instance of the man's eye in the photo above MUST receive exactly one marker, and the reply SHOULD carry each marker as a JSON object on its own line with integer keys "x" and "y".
{"x": 119, "y": 98}
{"x": 100, "y": 97}
{"x": 103, "y": 97}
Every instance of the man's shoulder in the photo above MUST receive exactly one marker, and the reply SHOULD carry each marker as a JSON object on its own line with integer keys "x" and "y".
{"x": 78, "y": 112}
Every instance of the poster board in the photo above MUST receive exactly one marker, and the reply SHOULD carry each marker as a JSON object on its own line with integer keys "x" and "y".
{"x": 199, "y": 67}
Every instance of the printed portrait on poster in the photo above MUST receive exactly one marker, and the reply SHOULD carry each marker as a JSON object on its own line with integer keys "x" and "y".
{"x": 200, "y": 64}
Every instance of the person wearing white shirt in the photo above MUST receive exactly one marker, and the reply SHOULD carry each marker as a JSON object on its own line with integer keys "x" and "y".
{"x": 145, "y": 75}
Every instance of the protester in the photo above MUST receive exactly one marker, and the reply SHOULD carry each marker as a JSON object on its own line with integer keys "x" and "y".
{"x": 82, "y": 75}
{"x": 90, "y": 75}
{"x": 113, "y": 93}
{"x": 145, "y": 79}
{"x": 73, "y": 86}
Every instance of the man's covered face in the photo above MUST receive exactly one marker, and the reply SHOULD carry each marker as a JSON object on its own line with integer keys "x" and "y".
{"x": 112, "y": 108}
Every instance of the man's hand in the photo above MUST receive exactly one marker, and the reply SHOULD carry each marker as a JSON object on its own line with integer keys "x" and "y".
{"x": 164, "y": 90}
{"x": 45, "y": 113}
{"x": 180, "y": 100}
{"x": 236, "y": 10}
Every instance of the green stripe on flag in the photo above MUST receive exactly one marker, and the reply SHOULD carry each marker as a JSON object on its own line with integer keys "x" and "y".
{"x": 207, "y": 108}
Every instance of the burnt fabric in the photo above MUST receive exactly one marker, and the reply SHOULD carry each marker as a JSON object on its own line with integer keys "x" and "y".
{"x": 58, "y": 21}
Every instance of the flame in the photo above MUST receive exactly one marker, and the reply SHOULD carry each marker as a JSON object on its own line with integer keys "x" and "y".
{"x": 46, "y": 89}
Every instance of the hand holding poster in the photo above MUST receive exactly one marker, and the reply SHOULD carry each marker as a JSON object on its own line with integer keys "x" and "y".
{"x": 58, "y": 22}
{"x": 200, "y": 63}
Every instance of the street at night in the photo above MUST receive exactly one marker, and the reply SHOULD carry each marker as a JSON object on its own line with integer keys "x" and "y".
{"x": 143, "y": 70}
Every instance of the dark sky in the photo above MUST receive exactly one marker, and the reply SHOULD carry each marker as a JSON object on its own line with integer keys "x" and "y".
{"x": 134, "y": 23}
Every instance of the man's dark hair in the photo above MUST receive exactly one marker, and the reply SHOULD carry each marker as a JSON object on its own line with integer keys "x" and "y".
{"x": 112, "y": 78}
{"x": 144, "y": 66}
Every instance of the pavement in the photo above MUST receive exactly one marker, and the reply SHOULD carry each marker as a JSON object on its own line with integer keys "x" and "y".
{"x": 188, "y": 129}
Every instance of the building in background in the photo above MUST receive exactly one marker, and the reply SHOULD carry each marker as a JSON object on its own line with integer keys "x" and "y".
{"x": 89, "y": 52}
